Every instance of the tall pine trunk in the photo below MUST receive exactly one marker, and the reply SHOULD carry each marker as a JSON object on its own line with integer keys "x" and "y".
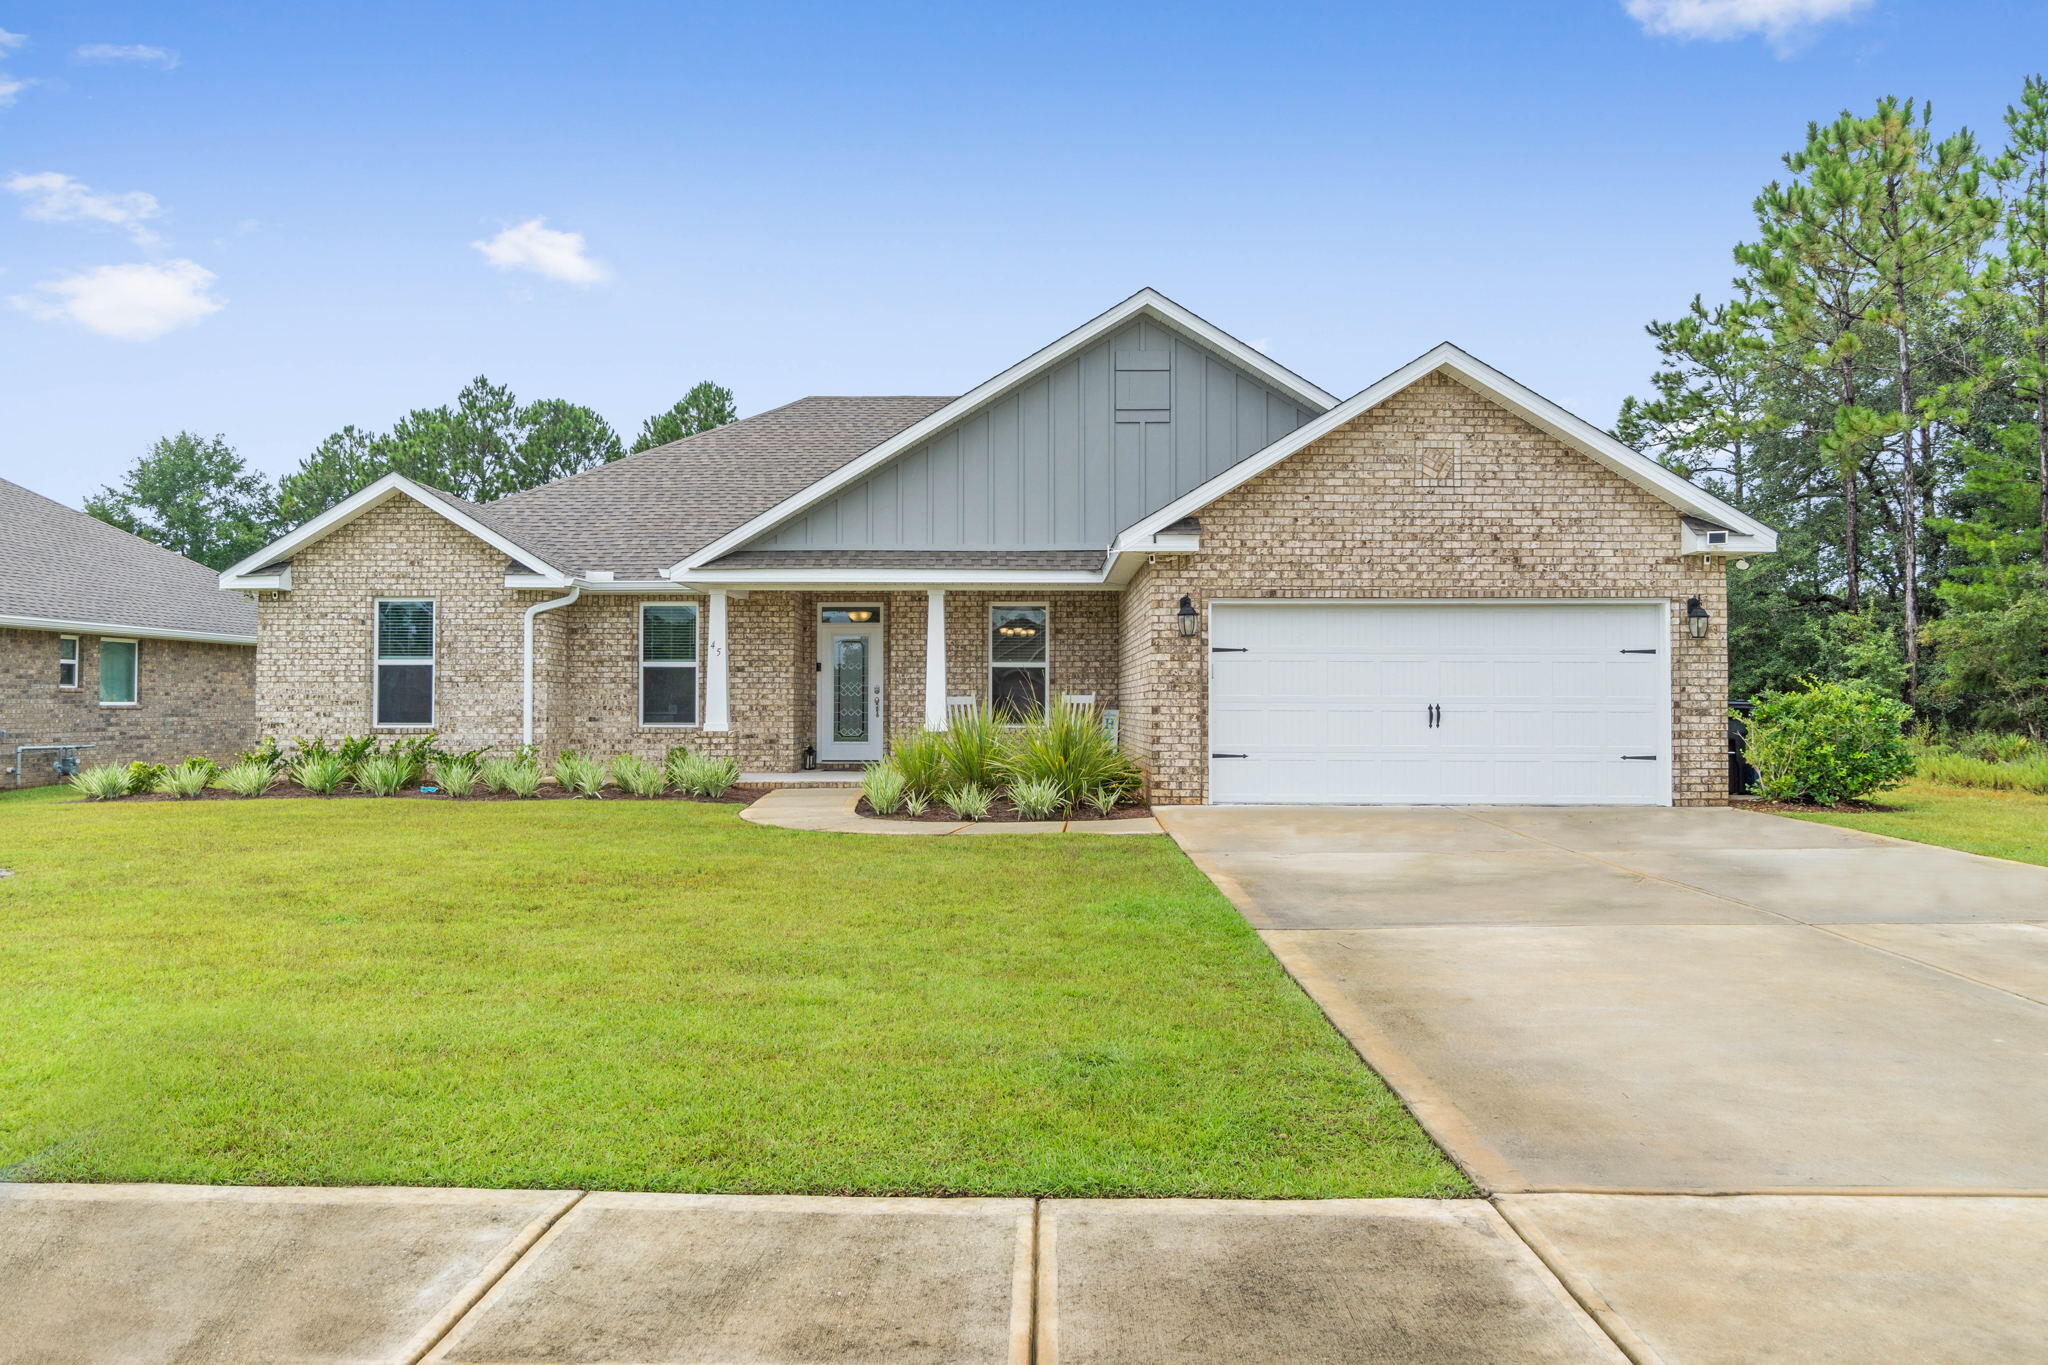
{"x": 1851, "y": 551}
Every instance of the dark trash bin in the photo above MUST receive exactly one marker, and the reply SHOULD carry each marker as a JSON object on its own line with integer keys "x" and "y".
{"x": 1741, "y": 776}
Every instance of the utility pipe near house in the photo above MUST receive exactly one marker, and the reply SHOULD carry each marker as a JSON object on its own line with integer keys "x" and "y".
{"x": 526, "y": 695}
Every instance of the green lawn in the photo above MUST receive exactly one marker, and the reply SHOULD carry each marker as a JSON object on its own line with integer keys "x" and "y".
{"x": 2002, "y": 824}
{"x": 653, "y": 996}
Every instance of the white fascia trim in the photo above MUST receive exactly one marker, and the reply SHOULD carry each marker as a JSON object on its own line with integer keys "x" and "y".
{"x": 281, "y": 581}
{"x": 1180, "y": 543}
{"x": 1149, "y": 302}
{"x": 1525, "y": 403}
{"x": 376, "y": 495}
{"x": 955, "y": 578}
{"x": 121, "y": 630}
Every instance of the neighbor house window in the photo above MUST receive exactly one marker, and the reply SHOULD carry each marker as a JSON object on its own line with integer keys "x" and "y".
{"x": 67, "y": 661}
{"x": 117, "y": 672}
{"x": 668, "y": 663}
{"x": 405, "y": 662}
{"x": 1016, "y": 661}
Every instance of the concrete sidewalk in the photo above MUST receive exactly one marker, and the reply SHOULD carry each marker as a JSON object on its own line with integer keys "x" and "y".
{"x": 123, "y": 1275}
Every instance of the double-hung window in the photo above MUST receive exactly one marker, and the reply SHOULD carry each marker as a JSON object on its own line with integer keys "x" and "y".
{"x": 67, "y": 661}
{"x": 668, "y": 663}
{"x": 119, "y": 664}
{"x": 1016, "y": 661}
{"x": 405, "y": 661}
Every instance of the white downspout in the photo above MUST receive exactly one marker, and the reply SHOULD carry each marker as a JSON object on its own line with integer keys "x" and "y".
{"x": 526, "y": 696}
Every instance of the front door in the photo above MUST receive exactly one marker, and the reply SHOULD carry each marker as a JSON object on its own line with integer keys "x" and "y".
{"x": 850, "y": 688}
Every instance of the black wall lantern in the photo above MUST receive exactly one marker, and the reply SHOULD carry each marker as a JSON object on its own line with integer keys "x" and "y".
{"x": 810, "y": 757}
{"x": 1696, "y": 619}
{"x": 1189, "y": 619}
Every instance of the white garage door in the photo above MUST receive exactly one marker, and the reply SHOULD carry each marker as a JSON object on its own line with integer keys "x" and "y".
{"x": 1531, "y": 702}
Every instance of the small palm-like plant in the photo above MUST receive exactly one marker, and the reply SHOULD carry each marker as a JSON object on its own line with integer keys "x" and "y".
{"x": 883, "y": 787}
{"x": 969, "y": 802}
{"x": 106, "y": 782}
{"x": 251, "y": 777}
{"x": 973, "y": 745}
{"x": 1035, "y": 800}
{"x": 520, "y": 778}
{"x": 384, "y": 774}
{"x": 638, "y": 776}
{"x": 186, "y": 780}
{"x": 921, "y": 759}
{"x": 319, "y": 773}
{"x": 456, "y": 775}
{"x": 580, "y": 776}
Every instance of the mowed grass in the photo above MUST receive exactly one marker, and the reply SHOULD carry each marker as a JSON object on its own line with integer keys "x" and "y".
{"x": 653, "y": 997}
{"x": 2004, "y": 824}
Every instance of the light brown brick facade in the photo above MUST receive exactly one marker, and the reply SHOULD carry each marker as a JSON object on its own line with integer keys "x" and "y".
{"x": 192, "y": 698}
{"x": 1436, "y": 493}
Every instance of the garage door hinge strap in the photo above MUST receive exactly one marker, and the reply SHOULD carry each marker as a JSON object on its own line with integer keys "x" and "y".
{"x": 1229, "y": 649}
{"x": 1229, "y": 755}
{"x": 1639, "y": 651}
{"x": 1646, "y": 758}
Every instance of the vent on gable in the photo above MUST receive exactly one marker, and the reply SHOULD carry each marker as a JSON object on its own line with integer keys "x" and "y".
{"x": 1144, "y": 386}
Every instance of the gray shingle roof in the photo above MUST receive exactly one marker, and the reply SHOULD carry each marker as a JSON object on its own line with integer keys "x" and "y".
{"x": 58, "y": 564}
{"x": 642, "y": 514}
{"x": 1084, "y": 561}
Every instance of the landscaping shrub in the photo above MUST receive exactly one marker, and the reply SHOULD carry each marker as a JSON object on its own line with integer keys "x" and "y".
{"x": 699, "y": 776}
{"x": 102, "y": 783}
{"x": 972, "y": 746}
{"x": 320, "y": 773}
{"x": 1105, "y": 799}
{"x": 457, "y": 775}
{"x": 267, "y": 753}
{"x": 580, "y": 776}
{"x": 521, "y": 777}
{"x": 1036, "y": 798}
{"x": 1831, "y": 743}
{"x": 916, "y": 804}
{"x": 250, "y": 777}
{"x": 188, "y": 779}
{"x": 493, "y": 772}
{"x": 384, "y": 774}
{"x": 969, "y": 803}
{"x": 143, "y": 778}
{"x": 638, "y": 776}
{"x": 1070, "y": 749}
{"x": 920, "y": 760}
{"x": 883, "y": 787}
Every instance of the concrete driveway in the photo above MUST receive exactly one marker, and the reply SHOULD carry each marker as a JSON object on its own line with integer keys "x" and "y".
{"x": 1605, "y": 1014}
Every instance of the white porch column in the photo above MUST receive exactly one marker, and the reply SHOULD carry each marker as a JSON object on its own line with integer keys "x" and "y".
{"x": 935, "y": 658}
{"x": 716, "y": 711}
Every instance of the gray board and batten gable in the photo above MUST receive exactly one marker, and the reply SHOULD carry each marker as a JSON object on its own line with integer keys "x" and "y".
{"x": 1064, "y": 461}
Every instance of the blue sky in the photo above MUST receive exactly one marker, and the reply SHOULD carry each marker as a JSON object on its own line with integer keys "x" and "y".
{"x": 263, "y": 220}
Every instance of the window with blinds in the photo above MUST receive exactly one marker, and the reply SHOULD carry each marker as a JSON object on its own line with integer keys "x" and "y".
{"x": 668, "y": 663}
{"x": 405, "y": 662}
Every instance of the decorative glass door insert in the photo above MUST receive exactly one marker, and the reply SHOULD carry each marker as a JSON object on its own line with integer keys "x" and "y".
{"x": 850, "y": 684}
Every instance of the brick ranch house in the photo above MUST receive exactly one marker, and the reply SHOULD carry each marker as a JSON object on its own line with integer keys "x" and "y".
{"x": 1444, "y": 588}
{"x": 111, "y": 642}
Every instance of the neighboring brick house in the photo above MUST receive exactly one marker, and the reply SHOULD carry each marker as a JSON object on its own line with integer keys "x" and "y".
{"x": 111, "y": 642}
{"x": 1442, "y": 589}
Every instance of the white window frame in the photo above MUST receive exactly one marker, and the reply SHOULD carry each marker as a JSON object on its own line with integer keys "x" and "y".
{"x": 432, "y": 661}
{"x": 135, "y": 696}
{"x": 73, "y": 661}
{"x": 1044, "y": 665}
{"x": 695, "y": 664}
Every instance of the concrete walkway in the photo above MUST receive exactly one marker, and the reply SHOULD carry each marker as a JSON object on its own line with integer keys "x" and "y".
{"x": 123, "y": 1275}
{"x": 831, "y": 811}
{"x": 1605, "y": 1014}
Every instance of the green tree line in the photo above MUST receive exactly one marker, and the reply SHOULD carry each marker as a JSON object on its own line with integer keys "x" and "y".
{"x": 1875, "y": 385}
{"x": 197, "y": 495}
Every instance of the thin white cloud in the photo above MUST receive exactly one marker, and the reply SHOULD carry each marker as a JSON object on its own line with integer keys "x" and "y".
{"x": 11, "y": 88}
{"x": 1783, "y": 22}
{"x": 53, "y": 197}
{"x": 126, "y": 302}
{"x": 10, "y": 41}
{"x": 126, "y": 52}
{"x": 540, "y": 250}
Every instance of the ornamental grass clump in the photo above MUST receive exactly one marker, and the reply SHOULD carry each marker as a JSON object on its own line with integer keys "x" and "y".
{"x": 383, "y": 774}
{"x": 520, "y": 777}
{"x": 973, "y": 746}
{"x": 1035, "y": 799}
{"x": 916, "y": 804}
{"x": 319, "y": 773}
{"x": 969, "y": 802}
{"x": 456, "y": 775}
{"x": 1104, "y": 800}
{"x": 1070, "y": 748}
{"x": 1832, "y": 742}
{"x": 580, "y": 776}
{"x": 250, "y": 777}
{"x": 920, "y": 760}
{"x": 106, "y": 782}
{"x": 187, "y": 780}
{"x": 638, "y": 776}
{"x": 882, "y": 785}
{"x": 700, "y": 776}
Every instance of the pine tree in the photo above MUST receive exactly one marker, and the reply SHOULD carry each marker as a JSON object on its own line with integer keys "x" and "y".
{"x": 705, "y": 406}
{"x": 2017, "y": 282}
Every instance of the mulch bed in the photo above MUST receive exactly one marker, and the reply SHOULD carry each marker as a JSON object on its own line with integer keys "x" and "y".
{"x": 1808, "y": 808}
{"x": 1002, "y": 810}
{"x": 737, "y": 796}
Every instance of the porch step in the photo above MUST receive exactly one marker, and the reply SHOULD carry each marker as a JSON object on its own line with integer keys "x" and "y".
{"x": 814, "y": 778}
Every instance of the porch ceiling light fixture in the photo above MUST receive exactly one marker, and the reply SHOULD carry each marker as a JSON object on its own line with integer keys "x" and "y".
{"x": 1188, "y": 619}
{"x": 1696, "y": 619}
{"x": 860, "y": 614}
